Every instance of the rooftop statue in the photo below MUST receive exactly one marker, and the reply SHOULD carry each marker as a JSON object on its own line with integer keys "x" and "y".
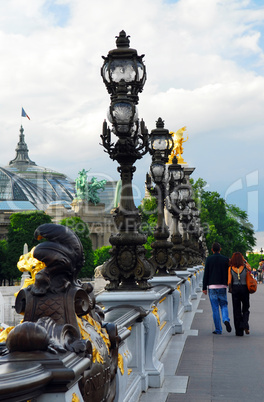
{"x": 88, "y": 191}
{"x": 81, "y": 185}
{"x": 61, "y": 316}
{"x": 93, "y": 188}
{"x": 178, "y": 148}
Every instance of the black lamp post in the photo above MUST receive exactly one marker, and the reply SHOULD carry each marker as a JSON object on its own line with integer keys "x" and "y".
{"x": 194, "y": 231}
{"x": 186, "y": 217}
{"x": 174, "y": 205}
{"x": 124, "y": 75}
{"x": 161, "y": 145}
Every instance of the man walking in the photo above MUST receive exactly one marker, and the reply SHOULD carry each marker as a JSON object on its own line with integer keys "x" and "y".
{"x": 215, "y": 278}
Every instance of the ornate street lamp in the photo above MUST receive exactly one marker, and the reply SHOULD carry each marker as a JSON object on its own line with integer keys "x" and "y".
{"x": 173, "y": 204}
{"x": 194, "y": 232}
{"x": 123, "y": 63}
{"x": 161, "y": 144}
{"x": 186, "y": 216}
{"x": 124, "y": 75}
{"x": 160, "y": 140}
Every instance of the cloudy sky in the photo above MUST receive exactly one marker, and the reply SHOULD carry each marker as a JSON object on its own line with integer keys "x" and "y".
{"x": 205, "y": 70}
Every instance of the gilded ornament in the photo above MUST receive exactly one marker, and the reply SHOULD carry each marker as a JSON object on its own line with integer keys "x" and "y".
{"x": 75, "y": 398}
{"x": 177, "y": 151}
{"x": 155, "y": 312}
{"x": 162, "y": 300}
{"x": 30, "y": 264}
{"x": 120, "y": 363}
{"x": 179, "y": 289}
{"x": 163, "y": 325}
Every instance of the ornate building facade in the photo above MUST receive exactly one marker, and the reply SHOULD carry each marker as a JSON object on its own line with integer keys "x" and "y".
{"x": 25, "y": 186}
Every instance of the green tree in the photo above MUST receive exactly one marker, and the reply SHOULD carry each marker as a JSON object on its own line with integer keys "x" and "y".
{"x": 21, "y": 230}
{"x": 101, "y": 255}
{"x": 223, "y": 222}
{"x": 253, "y": 260}
{"x": 149, "y": 216}
{"x": 81, "y": 229}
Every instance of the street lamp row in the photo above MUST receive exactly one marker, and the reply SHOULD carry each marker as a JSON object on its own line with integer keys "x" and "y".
{"x": 124, "y": 75}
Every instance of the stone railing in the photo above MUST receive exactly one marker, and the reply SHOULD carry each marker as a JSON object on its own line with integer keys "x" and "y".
{"x": 146, "y": 321}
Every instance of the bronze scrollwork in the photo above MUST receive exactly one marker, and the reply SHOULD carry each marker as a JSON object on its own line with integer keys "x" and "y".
{"x": 60, "y": 314}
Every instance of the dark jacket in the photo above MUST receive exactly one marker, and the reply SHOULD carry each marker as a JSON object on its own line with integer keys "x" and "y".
{"x": 216, "y": 270}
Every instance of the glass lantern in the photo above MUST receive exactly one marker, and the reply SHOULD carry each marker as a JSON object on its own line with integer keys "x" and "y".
{"x": 122, "y": 113}
{"x": 157, "y": 170}
{"x": 123, "y": 63}
{"x": 176, "y": 172}
{"x": 160, "y": 140}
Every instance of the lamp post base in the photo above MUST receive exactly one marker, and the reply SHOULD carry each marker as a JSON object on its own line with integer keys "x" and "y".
{"x": 162, "y": 258}
{"x": 128, "y": 268}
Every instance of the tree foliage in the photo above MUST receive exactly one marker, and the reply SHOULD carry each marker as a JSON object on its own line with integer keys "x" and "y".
{"x": 21, "y": 230}
{"x": 223, "y": 222}
{"x": 254, "y": 259}
{"x": 81, "y": 229}
{"x": 149, "y": 216}
{"x": 101, "y": 255}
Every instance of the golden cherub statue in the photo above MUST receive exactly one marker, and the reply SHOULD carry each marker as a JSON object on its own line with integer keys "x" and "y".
{"x": 30, "y": 264}
{"x": 178, "y": 148}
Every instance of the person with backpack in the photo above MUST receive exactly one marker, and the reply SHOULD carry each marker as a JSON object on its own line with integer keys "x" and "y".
{"x": 237, "y": 285}
{"x": 215, "y": 279}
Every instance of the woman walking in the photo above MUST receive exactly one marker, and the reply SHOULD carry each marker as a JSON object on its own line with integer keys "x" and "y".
{"x": 240, "y": 295}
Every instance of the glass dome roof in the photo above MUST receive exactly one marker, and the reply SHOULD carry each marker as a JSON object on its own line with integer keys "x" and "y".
{"x": 24, "y": 180}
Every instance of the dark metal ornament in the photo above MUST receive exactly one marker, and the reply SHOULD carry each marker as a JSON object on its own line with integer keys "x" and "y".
{"x": 55, "y": 307}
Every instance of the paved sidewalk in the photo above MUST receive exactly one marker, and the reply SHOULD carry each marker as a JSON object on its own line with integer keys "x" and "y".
{"x": 202, "y": 367}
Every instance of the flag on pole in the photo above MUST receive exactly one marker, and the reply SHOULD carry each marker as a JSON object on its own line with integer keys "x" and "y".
{"x": 23, "y": 114}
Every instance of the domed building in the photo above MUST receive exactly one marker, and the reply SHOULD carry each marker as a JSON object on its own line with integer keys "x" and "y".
{"x": 25, "y": 186}
{"x": 30, "y": 186}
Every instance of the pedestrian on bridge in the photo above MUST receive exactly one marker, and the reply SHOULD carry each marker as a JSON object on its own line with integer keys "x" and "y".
{"x": 215, "y": 279}
{"x": 240, "y": 295}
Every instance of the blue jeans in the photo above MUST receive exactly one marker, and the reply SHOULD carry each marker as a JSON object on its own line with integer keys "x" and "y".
{"x": 218, "y": 298}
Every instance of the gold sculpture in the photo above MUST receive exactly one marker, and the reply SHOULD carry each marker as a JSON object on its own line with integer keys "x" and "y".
{"x": 27, "y": 263}
{"x": 178, "y": 148}
{"x": 75, "y": 398}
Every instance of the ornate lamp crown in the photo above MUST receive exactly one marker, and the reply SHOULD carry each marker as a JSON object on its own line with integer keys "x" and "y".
{"x": 123, "y": 63}
{"x": 160, "y": 140}
{"x": 176, "y": 172}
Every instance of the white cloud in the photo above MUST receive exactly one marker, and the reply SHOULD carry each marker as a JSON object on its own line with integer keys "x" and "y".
{"x": 205, "y": 70}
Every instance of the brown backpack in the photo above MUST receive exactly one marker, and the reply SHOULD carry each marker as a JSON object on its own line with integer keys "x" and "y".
{"x": 251, "y": 282}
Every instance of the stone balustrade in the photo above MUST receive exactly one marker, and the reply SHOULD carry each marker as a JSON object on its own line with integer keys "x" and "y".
{"x": 146, "y": 321}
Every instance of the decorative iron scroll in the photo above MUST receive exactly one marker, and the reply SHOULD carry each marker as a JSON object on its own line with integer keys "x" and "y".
{"x": 60, "y": 314}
